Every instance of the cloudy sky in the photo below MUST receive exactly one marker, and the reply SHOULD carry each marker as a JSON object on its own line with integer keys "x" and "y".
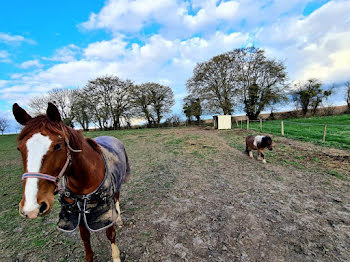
{"x": 56, "y": 44}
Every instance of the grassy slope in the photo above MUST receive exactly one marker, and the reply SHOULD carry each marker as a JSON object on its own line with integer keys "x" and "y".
{"x": 312, "y": 131}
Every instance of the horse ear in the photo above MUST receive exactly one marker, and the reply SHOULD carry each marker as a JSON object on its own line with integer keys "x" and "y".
{"x": 20, "y": 114}
{"x": 53, "y": 113}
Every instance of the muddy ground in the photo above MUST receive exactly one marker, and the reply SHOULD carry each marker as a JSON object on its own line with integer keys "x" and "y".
{"x": 195, "y": 196}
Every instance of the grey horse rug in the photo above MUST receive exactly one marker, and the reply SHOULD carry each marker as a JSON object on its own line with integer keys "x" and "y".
{"x": 97, "y": 209}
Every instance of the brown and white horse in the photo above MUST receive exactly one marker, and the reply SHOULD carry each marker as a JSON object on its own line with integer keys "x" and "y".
{"x": 258, "y": 143}
{"x": 50, "y": 150}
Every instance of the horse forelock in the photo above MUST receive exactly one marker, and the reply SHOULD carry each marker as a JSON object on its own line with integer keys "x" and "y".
{"x": 38, "y": 124}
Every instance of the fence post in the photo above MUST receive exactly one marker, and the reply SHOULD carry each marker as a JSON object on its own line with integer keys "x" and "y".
{"x": 241, "y": 124}
{"x": 260, "y": 125}
{"x": 282, "y": 128}
{"x": 237, "y": 123}
{"x": 324, "y": 133}
{"x": 247, "y": 123}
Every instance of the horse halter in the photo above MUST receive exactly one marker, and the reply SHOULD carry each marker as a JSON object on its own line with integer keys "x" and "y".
{"x": 55, "y": 179}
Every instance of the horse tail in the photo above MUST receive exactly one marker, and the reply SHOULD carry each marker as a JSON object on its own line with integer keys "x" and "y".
{"x": 128, "y": 171}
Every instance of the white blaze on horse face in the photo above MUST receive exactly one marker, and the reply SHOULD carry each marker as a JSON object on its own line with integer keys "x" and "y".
{"x": 257, "y": 140}
{"x": 37, "y": 147}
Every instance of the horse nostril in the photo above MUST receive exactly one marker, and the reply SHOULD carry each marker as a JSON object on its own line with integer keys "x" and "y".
{"x": 43, "y": 207}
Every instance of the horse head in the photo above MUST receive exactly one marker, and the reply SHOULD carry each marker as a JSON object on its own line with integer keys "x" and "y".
{"x": 44, "y": 154}
{"x": 267, "y": 142}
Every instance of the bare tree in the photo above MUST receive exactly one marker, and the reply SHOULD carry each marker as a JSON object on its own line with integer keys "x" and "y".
{"x": 243, "y": 75}
{"x": 140, "y": 99}
{"x": 109, "y": 101}
{"x": 38, "y": 104}
{"x": 212, "y": 81}
{"x": 152, "y": 101}
{"x": 261, "y": 82}
{"x": 4, "y": 124}
{"x": 63, "y": 99}
{"x": 121, "y": 105}
{"x": 161, "y": 100}
{"x": 81, "y": 109}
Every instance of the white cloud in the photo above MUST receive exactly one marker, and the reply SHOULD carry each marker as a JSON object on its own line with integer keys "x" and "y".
{"x": 14, "y": 39}
{"x": 106, "y": 50}
{"x": 315, "y": 46}
{"x": 30, "y": 63}
{"x": 161, "y": 60}
{"x": 130, "y": 16}
{"x": 4, "y": 56}
{"x": 65, "y": 54}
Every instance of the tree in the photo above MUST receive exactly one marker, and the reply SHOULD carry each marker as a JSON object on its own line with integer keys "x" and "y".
{"x": 109, "y": 100}
{"x": 4, "y": 124}
{"x": 81, "y": 109}
{"x": 243, "y": 75}
{"x": 309, "y": 95}
{"x": 63, "y": 99}
{"x": 121, "y": 106}
{"x": 212, "y": 82}
{"x": 192, "y": 107}
{"x": 141, "y": 102}
{"x": 152, "y": 101}
{"x": 347, "y": 96}
{"x": 260, "y": 81}
{"x": 38, "y": 104}
{"x": 161, "y": 100}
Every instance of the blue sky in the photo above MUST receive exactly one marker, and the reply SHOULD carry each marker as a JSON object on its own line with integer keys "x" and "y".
{"x": 57, "y": 44}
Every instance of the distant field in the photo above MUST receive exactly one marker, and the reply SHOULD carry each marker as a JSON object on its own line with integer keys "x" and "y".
{"x": 311, "y": 129}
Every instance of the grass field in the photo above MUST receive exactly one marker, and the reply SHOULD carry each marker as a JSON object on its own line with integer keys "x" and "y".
{"x": 310, "y": 129}
{"x": 195, "y": 195}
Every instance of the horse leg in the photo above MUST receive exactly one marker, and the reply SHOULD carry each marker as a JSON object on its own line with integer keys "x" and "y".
{"x": 259, "y": 154}
{"x": 263, "y": 158}
{"x": 85, "y": 236}
{"x": 110, "y": 232}
{"x": 248, "y": 151}
{"x": 119, "y": 218}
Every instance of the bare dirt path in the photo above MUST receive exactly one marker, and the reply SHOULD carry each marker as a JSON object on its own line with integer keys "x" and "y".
{"x": 223, "y": 206}
{"x": 193, "y": 197}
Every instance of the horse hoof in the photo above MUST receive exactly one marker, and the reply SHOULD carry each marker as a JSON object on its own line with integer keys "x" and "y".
{"x": 116, "y": 259}
{"x": 119, "y": 222}
{"x": 264, "y": 161}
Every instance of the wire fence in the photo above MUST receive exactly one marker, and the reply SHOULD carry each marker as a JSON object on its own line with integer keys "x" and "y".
{"x": 329, "y": 134}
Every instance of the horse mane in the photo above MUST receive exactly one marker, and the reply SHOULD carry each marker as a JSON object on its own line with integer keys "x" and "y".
{"x": 42, "y": 122}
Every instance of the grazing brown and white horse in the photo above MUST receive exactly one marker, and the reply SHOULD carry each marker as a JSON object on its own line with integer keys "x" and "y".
{"x": 258, "y": 143}
{"x": 87, "y": 173}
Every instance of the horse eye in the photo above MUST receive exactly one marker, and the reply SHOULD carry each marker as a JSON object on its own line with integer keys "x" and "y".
{"x": 18, "y": 148}
{"x": 57, "y": 147}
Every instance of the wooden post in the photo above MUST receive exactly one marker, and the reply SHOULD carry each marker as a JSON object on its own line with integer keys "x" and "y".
{"x": 260, "y": 125}
{"x": 241, "y": 124}
{"x": 247, "y": 123}
{"x": 282, "y": 128}
{"x": 237, "y": 123}
{"x": 324, "y": 133}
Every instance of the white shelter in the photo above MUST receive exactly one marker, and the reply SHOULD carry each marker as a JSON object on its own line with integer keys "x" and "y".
{"x": 222, "y": 122}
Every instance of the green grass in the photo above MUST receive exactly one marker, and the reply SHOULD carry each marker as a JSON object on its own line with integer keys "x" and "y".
{"x": 311, "y": 129}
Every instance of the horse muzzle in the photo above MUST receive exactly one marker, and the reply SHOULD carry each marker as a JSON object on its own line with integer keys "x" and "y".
{"x": 41, "y": 211}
